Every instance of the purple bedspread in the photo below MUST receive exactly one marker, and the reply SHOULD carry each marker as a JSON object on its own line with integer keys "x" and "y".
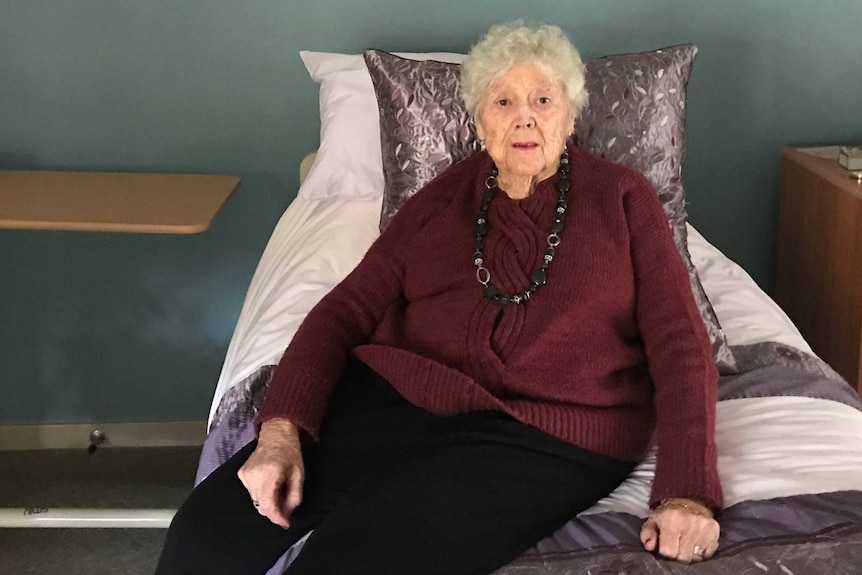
{"x": 799, "y": 535}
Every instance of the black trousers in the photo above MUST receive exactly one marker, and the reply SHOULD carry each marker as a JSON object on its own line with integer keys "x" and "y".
{"x": 392, "y": 489}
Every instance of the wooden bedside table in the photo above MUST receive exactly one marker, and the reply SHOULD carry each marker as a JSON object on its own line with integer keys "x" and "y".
{"x": 819, "y": 276}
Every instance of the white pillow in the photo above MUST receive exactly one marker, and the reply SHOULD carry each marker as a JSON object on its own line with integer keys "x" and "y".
{"x": 349, "y": 163}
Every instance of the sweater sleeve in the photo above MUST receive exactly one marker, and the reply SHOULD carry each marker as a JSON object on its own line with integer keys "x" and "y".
{"x": 343, "y": 319}
{"x": 679, "y": 355}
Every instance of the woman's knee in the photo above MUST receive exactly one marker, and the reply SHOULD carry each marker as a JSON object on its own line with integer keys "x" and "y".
{"x": 207, "y": 521}
{"x": 186, "y": 543}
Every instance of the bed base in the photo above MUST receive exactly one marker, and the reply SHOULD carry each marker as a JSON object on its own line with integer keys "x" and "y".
{"x": 42, "y": 517}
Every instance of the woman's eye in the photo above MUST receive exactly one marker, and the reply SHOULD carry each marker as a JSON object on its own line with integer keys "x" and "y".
{"x": 503, "y": 102}
{"x": 544, "y": 100}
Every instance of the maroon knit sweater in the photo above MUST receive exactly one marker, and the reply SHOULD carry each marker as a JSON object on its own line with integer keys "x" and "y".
{"x": 610, "y": 351}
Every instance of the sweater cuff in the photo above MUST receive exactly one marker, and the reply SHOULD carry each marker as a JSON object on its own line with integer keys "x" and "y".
{"x": 303, "y": 404}
{"x": 680, "y": 475}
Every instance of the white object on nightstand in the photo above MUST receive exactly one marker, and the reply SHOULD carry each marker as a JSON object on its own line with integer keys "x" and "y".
{"x": 850, "y": 157}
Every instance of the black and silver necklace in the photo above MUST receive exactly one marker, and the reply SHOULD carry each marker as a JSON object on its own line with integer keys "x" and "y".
{"x": 539, "y": 277}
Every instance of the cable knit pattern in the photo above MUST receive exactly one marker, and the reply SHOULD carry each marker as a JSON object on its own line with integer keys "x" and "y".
{"x": 610, "y": 355}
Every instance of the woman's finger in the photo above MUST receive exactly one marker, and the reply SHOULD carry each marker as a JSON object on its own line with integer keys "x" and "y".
{"x": 697, "y": 535}
{"x": 293, "y": 495}
{"x": 710, "y": 549}
{"x": 698, "y": 552}
{"x": 668, "y": 540}
{"x": 270, "y": 504}
{"x": 690, "y": 534}
{"x": 649, "y": 534}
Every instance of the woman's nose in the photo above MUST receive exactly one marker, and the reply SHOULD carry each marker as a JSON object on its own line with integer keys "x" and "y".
{"x": 525, "y": 118}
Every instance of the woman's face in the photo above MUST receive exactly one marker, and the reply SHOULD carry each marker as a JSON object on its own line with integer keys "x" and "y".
{"x": 525, "y": 118}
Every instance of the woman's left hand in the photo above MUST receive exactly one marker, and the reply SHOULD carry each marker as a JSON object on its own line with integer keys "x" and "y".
{"x": 681, "y": 529}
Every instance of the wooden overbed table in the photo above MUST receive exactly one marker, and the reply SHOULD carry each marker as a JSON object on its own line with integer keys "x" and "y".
{"x": 112, "y": 202}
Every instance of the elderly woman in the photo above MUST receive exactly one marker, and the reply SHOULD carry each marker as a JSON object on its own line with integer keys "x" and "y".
{"x": 504, "y": 354}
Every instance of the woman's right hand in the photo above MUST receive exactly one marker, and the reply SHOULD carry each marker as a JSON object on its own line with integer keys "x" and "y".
{"x": 274, "y": 473}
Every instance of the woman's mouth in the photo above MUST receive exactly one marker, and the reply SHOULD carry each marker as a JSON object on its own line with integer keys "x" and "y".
{"x": 525, "y": 145}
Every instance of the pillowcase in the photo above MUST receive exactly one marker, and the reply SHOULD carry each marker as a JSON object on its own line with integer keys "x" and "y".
{"x": 348, "y": 160}
{"x": 424, "y": 126}
{"x": 635, "y": 117}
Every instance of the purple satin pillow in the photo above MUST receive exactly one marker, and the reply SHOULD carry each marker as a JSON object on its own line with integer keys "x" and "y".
{"x": 635, "y": 117}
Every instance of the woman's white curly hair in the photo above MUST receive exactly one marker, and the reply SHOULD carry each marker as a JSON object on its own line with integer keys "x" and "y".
{"x": 507, "y": 45}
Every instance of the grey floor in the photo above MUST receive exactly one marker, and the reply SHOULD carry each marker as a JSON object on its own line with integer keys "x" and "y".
{"x": 108, "y": 478}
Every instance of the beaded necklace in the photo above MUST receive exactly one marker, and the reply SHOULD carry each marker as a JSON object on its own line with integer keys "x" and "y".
{"x": 539, "y": 277}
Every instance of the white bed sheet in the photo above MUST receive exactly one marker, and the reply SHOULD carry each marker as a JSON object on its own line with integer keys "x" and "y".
{"x": 314, "y": 245}
{"x": 768, "y": 447}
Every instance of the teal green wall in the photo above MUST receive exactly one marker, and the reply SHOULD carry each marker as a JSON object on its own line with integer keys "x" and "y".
{"x": 126, "y": 327}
